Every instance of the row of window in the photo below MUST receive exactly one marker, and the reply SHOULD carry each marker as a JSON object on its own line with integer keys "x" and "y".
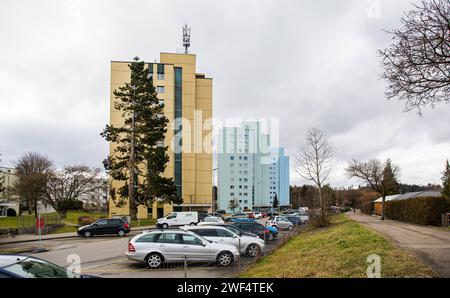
{"x": 240, "y": 157}
{"x": 240, "y": 187}
{"x": 240, "y": 194}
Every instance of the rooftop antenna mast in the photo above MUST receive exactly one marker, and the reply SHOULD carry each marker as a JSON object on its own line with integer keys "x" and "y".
{"x": 186, "y": 38}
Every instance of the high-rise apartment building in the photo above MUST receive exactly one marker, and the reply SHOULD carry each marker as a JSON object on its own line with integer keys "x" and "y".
{"x": 187, "y": 97}
{"x": 250, "y": 172}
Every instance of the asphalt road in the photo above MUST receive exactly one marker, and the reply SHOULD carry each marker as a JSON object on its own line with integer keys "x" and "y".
{"x": 104, "y": 256}
{"x": 430, "y": 244}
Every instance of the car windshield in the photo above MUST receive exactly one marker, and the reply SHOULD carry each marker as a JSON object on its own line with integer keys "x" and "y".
{"x": 234, "y": 229}
{"x": 35, "y": 268}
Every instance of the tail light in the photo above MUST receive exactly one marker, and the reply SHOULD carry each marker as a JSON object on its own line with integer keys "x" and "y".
{"x": 131, "y": 247}
{"x": 126, "y": 226}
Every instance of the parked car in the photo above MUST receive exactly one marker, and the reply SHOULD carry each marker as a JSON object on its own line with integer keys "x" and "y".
{"x": 156, "y": 247}
{"x": 246, "y": 245}
{"x": 202, "y": 216}
{"x": 232, "y": 228}
{"x": 238, "y": 215}
{"x": 216, "y": 214}
{"x": 304, "y": 217}
{"x": 105, "y": 226}
{"x": 256, "y": 228}
{"x": 250, "y": 215}
{"x": 264, "y": 214}
{"x": 241, "y": 220}
{"x": 294, "y": 219}
{"x": 178, "y": 219}
{"x": 20, "y": 266}
{"x": 221, "y": 212}
{"x": 272, "y": 213}
{"x": 257, "y": 215}
{"x": 211, "y": 219}
{"x": 281, "y": 222}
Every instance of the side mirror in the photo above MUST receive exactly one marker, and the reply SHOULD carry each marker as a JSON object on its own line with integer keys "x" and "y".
{"x": 204, "y": 244}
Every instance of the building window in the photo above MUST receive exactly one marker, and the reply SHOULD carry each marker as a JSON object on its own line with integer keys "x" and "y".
{"x": 160, "y": 76}
{"x": 231, "y": 194}
{"x": 231, "y": 186}
{"x": 160, "y": 89}
{"x": 231, "y": 157}
{"x": 245, "y": 157}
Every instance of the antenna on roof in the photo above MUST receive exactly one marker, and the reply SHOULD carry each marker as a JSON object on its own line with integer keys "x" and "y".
{"x": 186, "y": 38}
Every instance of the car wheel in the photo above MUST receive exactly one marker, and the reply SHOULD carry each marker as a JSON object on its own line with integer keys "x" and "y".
{"x": 291, "y": 228}
{"x": 87, "y": 234}
{"x": 192, "y": 224}
{"x": 253, "y": 250}
{"x": 225, "y": 258}
{"x": 154, "y": 260}
{"x": 121, "y": 233}
{"x": 165, "y": 226}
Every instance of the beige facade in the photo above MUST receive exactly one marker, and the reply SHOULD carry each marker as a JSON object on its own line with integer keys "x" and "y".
{"x": 196, "y": 130}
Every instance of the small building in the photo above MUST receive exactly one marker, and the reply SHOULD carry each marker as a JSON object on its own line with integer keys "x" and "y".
{"x": 378, "y": 202}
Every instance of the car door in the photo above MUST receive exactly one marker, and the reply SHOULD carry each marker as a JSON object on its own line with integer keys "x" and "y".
{"x": 228, "y": 237}
{"x": 194, "y": 249}
{"x": 113, "y": 226}
{"x": 170, "y": 245}
{"x": 100, "y": 227}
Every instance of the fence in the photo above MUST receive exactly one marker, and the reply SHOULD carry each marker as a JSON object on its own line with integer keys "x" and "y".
{"x": 445, "y": 219}
{"x": 27, "y": 224}
{"x": 187, "y": 267}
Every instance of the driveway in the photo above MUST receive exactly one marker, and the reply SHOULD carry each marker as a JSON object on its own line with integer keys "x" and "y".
{"x": 430, "y": 244}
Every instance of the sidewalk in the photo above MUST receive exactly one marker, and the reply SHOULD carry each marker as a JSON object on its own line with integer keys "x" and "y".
{"x": 32, "y": 237}
{"x": 430, "y": 244}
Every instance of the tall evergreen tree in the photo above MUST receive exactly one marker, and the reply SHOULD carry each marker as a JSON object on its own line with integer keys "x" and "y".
{"x": 139, "y": 158}
{"x": 446, "y": 180}
{"x": 275, "y": 202}
{"x": 390, "y": 180}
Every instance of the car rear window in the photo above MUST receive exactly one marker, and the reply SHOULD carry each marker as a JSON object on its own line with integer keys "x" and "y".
{"x": 115, "y": 222}
{"x": 206, "y": 232}
{"x": 169, "y": 238}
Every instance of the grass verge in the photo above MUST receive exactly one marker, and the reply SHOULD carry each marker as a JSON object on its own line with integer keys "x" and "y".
{"x": 338, "y": 251}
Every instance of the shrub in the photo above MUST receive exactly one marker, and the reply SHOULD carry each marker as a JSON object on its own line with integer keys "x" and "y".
{"x": 85, "y": 220}
{"x": 423, "y": 211}
{"x": 367, "y": 208}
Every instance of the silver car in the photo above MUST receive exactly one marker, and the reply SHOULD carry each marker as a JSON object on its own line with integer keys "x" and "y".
{"x": 246, "y": 244}
{"x": 156, "y": 247}
{"x": 281, "y": 223}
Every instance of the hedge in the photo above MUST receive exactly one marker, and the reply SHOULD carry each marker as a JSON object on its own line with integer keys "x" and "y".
{"x": 423, "y": 210}
{"x": 367, "y": 208}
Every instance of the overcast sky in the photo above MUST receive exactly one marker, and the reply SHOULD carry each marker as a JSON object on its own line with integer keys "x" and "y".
{"x": 307, "y": 63}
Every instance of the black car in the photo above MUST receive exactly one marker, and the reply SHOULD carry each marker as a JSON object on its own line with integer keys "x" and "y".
{"x": 294, "y": 219}
{"x": 202, "y": 215}
{"x": 106, "y": 226}
{"x": 254, "y": 228}
{"x": 19, "y": 266}
{"x": 236, "y": 230}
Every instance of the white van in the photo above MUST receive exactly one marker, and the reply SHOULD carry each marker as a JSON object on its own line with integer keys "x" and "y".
{"x": 178, "y": 219}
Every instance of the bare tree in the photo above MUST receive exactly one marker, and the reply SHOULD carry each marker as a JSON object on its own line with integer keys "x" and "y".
{"x": 32, "y": 170}
{"x": 234, "y": 204}
{"x": 315, "y": 162}
{"x": 417, "y": 63}
{"x": 66, "y": 186}
{"x": 382, "y": 178}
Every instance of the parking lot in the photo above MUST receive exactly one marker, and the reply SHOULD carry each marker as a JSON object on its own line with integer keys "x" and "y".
{"x": 104, "y": 256}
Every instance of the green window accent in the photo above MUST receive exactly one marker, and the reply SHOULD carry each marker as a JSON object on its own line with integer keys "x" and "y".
{"x": 150, "y": 67}
{"x": 160, "y": 69}
{"x": 178, "y": 129}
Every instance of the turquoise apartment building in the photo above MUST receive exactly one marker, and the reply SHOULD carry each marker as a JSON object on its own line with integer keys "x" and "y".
{"x": 250, "y": 171}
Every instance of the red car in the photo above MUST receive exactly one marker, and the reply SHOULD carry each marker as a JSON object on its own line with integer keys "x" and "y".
{"x": 264, "y": 214}
{"x": 250, "y": 215}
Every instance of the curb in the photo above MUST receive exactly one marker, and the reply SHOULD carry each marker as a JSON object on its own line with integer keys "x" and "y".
{"x": 63, "y": 237}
